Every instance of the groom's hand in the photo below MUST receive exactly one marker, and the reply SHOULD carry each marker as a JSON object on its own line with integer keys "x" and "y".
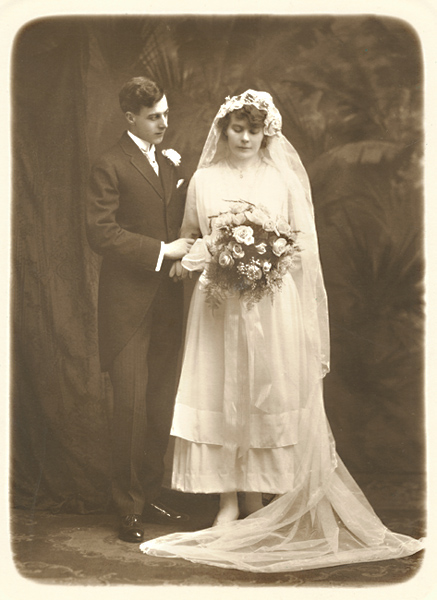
{"x": 178, "y": 248}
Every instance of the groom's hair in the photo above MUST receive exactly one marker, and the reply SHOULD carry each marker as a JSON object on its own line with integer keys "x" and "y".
{"x": 139, "y": 92}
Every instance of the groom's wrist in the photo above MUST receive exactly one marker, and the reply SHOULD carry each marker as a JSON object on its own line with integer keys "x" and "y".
{"x": 160, "y": 257}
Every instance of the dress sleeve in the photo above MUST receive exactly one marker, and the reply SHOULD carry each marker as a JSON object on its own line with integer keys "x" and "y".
{"x": 198, "y": 256}
{"x": 190, "y": 225}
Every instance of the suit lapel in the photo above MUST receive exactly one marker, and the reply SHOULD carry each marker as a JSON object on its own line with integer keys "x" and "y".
{"x": 166, "y": 173}
{"x": 140, "y": 162}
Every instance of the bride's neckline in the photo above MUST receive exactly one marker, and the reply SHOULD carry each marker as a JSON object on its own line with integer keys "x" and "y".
{"x": 246, "y": 169}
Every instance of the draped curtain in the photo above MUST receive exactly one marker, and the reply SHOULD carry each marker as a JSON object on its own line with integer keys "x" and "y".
{"x": 354, "y": 117}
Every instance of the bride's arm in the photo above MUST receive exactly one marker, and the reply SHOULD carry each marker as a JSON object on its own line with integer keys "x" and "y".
{"x": 193, "y": 261}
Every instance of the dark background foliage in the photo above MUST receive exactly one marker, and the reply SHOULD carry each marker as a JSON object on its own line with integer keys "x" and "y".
{"x": 350, "y": 93}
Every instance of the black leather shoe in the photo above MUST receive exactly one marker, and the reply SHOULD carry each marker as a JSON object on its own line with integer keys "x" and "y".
{"x": 156, "y": 512}
{"x": 131, "y": 529}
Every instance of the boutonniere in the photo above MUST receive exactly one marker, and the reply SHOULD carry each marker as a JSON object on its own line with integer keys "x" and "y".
{"x": 173, "y": 156}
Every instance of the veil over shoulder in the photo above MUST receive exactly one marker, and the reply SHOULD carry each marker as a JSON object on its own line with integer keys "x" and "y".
{"x": 324, "y": 518}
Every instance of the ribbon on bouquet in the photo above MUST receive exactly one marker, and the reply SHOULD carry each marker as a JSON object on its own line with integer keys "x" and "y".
{"x": 245, "y": 346}
{"x": 260, "y": 381}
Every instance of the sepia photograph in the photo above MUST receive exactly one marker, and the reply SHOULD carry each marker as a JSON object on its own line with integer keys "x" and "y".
{"x": 217, "y": 301}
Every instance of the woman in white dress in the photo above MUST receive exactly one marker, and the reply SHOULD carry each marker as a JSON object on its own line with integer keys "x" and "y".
{"x": 249, "y": 414}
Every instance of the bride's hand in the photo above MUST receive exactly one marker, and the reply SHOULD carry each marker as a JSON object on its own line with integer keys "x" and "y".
{"x": 177, "y": 271}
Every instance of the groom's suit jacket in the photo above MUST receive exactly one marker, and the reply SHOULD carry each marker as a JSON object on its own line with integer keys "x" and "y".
{"x": 130, "y": 210}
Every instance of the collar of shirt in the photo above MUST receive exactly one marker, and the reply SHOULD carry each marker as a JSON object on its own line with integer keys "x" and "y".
{"x": 148, "y": 149}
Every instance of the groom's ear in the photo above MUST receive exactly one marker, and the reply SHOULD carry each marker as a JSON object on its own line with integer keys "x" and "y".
{"x": 130, "y": 117}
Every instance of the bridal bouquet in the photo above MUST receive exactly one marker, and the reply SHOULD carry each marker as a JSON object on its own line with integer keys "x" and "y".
{"x": 251, "y": 253}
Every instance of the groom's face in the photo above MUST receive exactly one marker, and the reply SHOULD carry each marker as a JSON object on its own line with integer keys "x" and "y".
{"x": 150, "y": 124}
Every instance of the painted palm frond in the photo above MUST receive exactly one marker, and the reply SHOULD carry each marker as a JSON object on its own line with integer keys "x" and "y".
{"x": 385, "y": 265}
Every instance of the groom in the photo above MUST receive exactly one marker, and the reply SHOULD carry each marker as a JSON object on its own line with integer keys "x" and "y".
{"x": 134, "y": 212}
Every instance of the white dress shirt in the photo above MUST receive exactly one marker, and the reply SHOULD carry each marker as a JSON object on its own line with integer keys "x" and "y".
{"x": 149, "y": 151}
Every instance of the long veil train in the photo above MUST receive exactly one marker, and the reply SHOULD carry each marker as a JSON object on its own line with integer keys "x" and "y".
{"x": 324, "y": 521}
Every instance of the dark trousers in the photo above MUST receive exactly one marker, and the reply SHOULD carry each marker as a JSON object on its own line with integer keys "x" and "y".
{"x": 143, "y": 377}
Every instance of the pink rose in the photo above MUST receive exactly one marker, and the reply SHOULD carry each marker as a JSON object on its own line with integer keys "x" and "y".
{"x": 225, "y": 259}
{"x": 279, "y": 246}
{"x": 237, "y": 251}
{"x": 261, "y": 247}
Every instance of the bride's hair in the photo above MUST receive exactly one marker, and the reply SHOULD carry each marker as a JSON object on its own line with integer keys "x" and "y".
{"x": 248, "y": 112}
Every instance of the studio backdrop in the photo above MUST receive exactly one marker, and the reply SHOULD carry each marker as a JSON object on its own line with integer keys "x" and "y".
{"x": 350, "y": 93}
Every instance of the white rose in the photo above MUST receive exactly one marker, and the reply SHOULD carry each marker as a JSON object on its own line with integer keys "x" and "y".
{"x": 244, "y": 235}
{"x": 269, "y": 225}
{"x": 279, "y": 246}
{"x": 261, "y": 248}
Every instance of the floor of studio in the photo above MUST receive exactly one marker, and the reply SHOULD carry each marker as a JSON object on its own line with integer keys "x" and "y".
{"x": 85, "y": 550}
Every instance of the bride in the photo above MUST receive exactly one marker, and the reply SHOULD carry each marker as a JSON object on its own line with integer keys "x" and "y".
{"x": 249, "y": 414}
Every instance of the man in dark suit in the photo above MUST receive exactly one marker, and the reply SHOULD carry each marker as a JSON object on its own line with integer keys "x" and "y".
{"x": 134, "y": 212}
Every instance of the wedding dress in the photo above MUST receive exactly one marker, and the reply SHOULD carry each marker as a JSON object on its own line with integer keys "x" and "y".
{"x": 254, "y": 360}
{"x": 250, "y": 401}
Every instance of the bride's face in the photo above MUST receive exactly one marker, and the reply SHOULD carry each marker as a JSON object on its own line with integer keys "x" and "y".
{"x": 244, "y": 140}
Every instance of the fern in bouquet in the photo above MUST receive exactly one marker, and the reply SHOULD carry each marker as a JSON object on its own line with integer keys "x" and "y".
{"x": 251, "y": 253}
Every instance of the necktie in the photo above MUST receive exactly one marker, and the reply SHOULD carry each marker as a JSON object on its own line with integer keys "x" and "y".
{"x": 150, "y": 154}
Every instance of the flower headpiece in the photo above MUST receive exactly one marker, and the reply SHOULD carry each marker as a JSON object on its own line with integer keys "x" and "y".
{"x": 261, "y": 101}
